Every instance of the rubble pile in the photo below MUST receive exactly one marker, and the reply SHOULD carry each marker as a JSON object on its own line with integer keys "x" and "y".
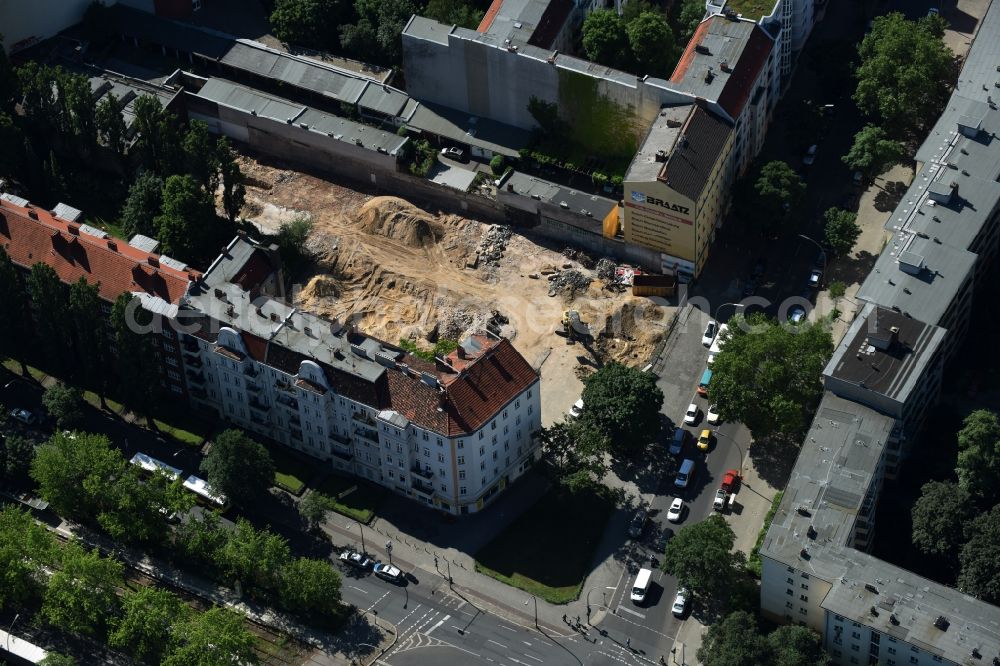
{"x": 606, "y": 270}
{"x": 578, "y": 255}
{"x": 568, "y": 282}
{"x": 493, "y": 243}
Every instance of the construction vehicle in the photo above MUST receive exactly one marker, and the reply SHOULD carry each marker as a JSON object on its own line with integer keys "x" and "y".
{"x": 573, "y": 326}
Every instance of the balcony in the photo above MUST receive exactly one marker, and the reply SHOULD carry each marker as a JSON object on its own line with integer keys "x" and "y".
{"x": 422, "y": 489}
{"x": 250, "y": 371}
{"x": 424, "y": 473}
{"x": 259, "y": 420}
{"x": 285, "y": 386}
{"x": 192, "y": 360}
{"x": 367, "y": 433}
{"x": 254, "y": 387}
{"x": 197, "y": 378}
{"x": 288, "y": 403}
{"x": 259, "y": 406}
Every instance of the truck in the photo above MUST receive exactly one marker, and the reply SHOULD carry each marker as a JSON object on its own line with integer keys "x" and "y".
{"x": 723, "y": 496}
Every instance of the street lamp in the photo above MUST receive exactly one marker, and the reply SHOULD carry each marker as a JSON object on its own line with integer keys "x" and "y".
{"x": 535, "y": 599}
{"x": 822, "y": 252}
{"x": 388, "y": 550}
{"x": 362, "y": 528}
{"x": 11, "y": 629}
{"x": 739, "y": 448}
{"x": 604, "y": 596}
{"x": 736, "y": 306}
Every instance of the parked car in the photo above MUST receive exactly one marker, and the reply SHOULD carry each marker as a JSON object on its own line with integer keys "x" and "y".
{"x": 25, "y": 416}
{"x": 691, "y": 415}
{"x": 708, "y": 337}
{"x": 796, "y": 314}
{"x": 355, "y": 559}
{"x": 576, "y": 409}
{"x": 713, "y": 415}
{"x": 705, "y": 440}
{"x": 676, "y": 510}
{"x": 662, "y": 539}
{"x": 815, "y": 276}
{"x": 676, "y": 446}
{"x": 388, "y": 572}
{"x": 680, "y": 602}
{"x": 454, "y": 153}
{"x": 638, "y": 523}
{"x": 810, "y": 157}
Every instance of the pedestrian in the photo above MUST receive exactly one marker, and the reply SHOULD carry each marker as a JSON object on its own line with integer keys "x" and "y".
{"x": 564, "y": 618}
{"x": 578, "y": 619}
{"x": 628, "y": 642}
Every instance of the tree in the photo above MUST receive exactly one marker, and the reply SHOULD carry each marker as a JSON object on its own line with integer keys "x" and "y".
{"x": 623, "y": 404}
{"x": 201, "y": 160}
{"x": 80, "y": 111}
{"x": 310, "y": 587}
{"x": 25, "y": 548}
{"x": 56, "y": 659}
{"x": 873, "y": 151}
{"x": 836, "y": 289}
{"x": 291, "y": 241}
{"x": 768, "y": 377}
{"x": 605, "y": 39}
{"x": 144, "y": 202}
{"x": 978, "y": 466}
{"x": 734, "y": 641}
{"x": 8, "y": 81}
{"x": 65, "y": 404}
{"x": 138, "y": 378}
{"x": 313, "y": 508}
{"x": 311, "y": 23}
{"x": 690, "y": 15}
{"x": 905, "y": 72}
{"x": 700, "y": 556}
{"x": 375, "y": 36}
{"x": 792, "y": 645}
{"x": 158, "y": 140}
{"x": 187, "y": 226}
{"x": 217, "y": 637}
{"x": 234, "y": 191}
{"x": 147, "y": 621}
{"x": 652, "y": 44}
{"x": 18, "y": 453}
{"x": 132, "y": 513}
{"x": 55, "y": 181}
{"x": 841, "y": 230}
{"x": 780, "y": 194}
{"x": 497, "y": 165}
{"x": 454, "y": 12}
{"x": 238, "y": 466}
{"x": 11, "y": 138}
{"x": 980, "y": 558}
{"x": 81, "y": 595}
{"x": 940, "y": 516}
{"x": 49, "y": 298}
{"x": 576, "y": 452}
{"x": 199, "y": 538}
{"x": 15, "y": 337}
{"x": 74, "y": 473}
{"x": 111, "y": 125}
{"x": 92, "y": 369}
{"x": 253, "y": 557}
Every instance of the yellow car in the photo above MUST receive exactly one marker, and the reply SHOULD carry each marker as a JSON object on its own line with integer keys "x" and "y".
{"x": 704, "y": 440}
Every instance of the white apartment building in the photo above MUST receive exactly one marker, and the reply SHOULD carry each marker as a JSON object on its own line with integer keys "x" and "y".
{"x": 451, "y": 434}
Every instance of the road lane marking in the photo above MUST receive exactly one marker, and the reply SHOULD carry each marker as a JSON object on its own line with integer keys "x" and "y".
{"x": 504, "y": 626}
{"x": 526, "y": 643}
{"x": 358, "y": 589}
{"x": 629, "y": 610}
{"x": 440, "y": 622}
{"x": 368, "y": 610}
{"x": 541, "y": 661}
{"x": 490, "y": 640}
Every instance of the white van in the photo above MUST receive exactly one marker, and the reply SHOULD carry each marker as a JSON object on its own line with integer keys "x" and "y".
{"x": 641, "y": 586}
{"x": 718, "y": 344}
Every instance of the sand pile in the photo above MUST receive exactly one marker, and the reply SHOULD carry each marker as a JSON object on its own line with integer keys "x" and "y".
{"x": 399, "y": 220}
{"x": 320, "y": 287}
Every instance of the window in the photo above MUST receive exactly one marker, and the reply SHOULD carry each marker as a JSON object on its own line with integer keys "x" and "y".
{"x": 505, "y": 413}
{"x": 802, "y": 611}
{"x": 804, "y": 586}
{"x": 855, "y": 634}
{"x": 936, "y": 658}
{"x": 529, "y": 393}
{"x": 461, "y": 475}
{"x": 788, "y": 604}
{"x": 461, "y": 461}
{"x": 803, "y": 597}
{"x": 461, "y": 490}
{"x": 481, "y": 434}
{"x": 440, "y": 442}
{"x": 427, "y": 452}
{"x": 493, "y": 425}
{"x": 806, "y": 576}
{"x": 482, "y": 466}
{"x": 461, "y": 444}
{"x": 789, "y": 592}
{"x": 482, "y": 450}
{"x": 494, "y": 440}
{"x": 388, "y": 459}
{"x": 791, "y": 581}
{"x": 494, "y": 455}
{"x": 440, "y": 457}
{"x": 173, "y": 374}
{"x": 444, "y": 488}
{"x": 914, "y": 660}
{"x": 517, "y": 404}
{"x": 505, "y": 430}
{"x": 856, "y": 648}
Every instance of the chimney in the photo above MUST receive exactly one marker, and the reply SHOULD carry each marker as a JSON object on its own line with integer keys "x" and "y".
{"x": 73, "y": 229}
{"x": 661, "y": 156}
{"x": 893, "y": 335}
{"x": 702, "y": 49}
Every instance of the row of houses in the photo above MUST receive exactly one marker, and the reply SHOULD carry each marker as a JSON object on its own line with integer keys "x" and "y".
{"x": 880, "y": 386}
{"x": 450, "y": 433}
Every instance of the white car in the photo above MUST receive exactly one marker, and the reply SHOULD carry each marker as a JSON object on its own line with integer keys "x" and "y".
{"x": 815, "y": 275}
{"x": 388, "y": 572}
{"x": 708, "y": 337}
{"x": 713, "y": 415}
{"x": 576, "y": 409}
{"x": 680, "y": 602}
{"x": 691, "y": 415}
{"x": 24, "y": 415}
{"x": 676, "y": 510}
{"x": 796, "y": 314}
{"x": 810, "y": 155}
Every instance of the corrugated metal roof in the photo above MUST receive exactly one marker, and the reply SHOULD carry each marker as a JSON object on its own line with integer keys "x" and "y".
{"x": 463, "y": 128}
{"x": 383, "y": 99}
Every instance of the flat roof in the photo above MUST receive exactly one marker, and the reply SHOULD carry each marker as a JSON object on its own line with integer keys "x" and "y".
{"x": 662, "y": 136}
{"x": 872, "y": 356}
{"x": 261, "y": 104}
{"x": 472, "y": 130}
{"x": 557, "y": 195}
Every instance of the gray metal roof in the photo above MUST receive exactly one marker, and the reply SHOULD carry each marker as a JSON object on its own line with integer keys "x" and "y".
{"x": 145, "y": 243}
{"x": 516, "y": 19}
{"x": 557, "y": 195}
{"x": 472, "y": 130}
{"x": 421, "y": 27}
{"x": 304, "y": 117}
{"x": 662, "y": 136}
{"x": 67, "y": 212}
{"x": 383, "y": 99}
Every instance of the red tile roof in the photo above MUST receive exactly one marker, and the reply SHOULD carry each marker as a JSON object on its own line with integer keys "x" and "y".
{"x": 491, "y": 14}
{"x": 31, "y": 235}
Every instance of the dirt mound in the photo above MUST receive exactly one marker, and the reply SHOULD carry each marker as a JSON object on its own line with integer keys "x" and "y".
{"x": 399, "y": 220}
{"x": 320, "y": 287}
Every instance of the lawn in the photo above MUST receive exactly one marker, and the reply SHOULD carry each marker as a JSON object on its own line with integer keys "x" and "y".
{"x": 353, "y": 497}
{"x": 95, "y": 400}
{"x": 15, "y": 368}
{"x": 289, "y": 471}
{"x": 751, "y": 9}
{"x": 548, "y": 550}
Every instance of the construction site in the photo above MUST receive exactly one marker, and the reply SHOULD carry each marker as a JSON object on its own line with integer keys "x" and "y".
{"x": 399, "y": 272}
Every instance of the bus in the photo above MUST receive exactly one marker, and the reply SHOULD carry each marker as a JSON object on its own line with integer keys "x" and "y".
{"x": 150, "y": 464}
{"x": 204, "y": 492}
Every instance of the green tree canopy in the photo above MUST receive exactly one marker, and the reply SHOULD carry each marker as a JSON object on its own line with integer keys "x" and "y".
{"x": 313, "y": 508}
{"x": 65, "y": 404}
{"x": 291, "y": 241}
{"x": 376, "y": 35}
{"x": 238, "y": 466}
{"x": 575, "y": 451}
{"x": 198, "y": 539}
{"x": 841, "y": 230}
{"x": 768, "y": 375}
{"x": 50, "y": 301}
{"x": 138, "y": 378}
{"x": 905, "y": 72}
{"x": 310, "y": 588}
{"x": 940, "y": 516}
{"x": 701, "y": 556}
{"x": 454, "y": 12}
{"x": 623, "y": 405}
{"x": 733, "y": 641}
{"x": 187, "y": 226}
{"x": 253, "y": 557}
{"x": 158, "y": 141}
{"x": 792, "y": 645}
{"x": 978, "y": 466}
{"x": 213, "y": 638}
{"x": 234, "y": 191}
{"x": 873, "y": 151}
{"x": 605, "y": 39}
{"x": 652, "y": 44}
{"x": 74, "y": 472}
{"x": 18, "y": 453}
{"x": 149, "y": 617}
{"x": 688, "y": 17}
{"x": 201, "y": 159}
{"x": 311, "y": 23}
{"x": 980, "y": 558}
{"x": 81, "y": 595}
{"x": 93, "y": 367}
{"x": 110, "y": 124}
{"x": 144, "y": 202}
{"x": 780, "y": 194}
{"x": 25, "y": 548}
{"x": 15, "y": 337}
